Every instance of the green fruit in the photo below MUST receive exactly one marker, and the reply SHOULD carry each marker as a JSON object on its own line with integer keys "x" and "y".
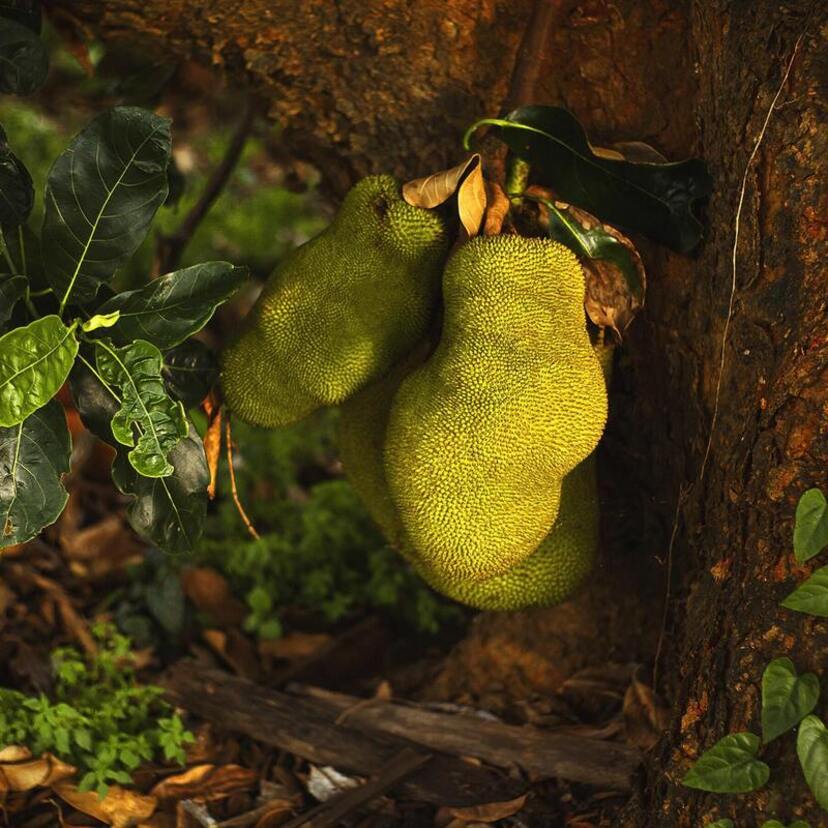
{"x": 554, "y": 570}
{"x": 340, "y": 310}
{"x": 481, "y": 435}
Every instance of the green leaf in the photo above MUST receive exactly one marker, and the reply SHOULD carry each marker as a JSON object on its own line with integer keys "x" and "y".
{"x": 190, "y": 371}
{"x": 811, "y": 525}
{"x": 810, "y": 597}
{"x": 16, "y": 190}
{"x": 166, "y": 602}
{"x": 161, "y": 423}
{"x": 101, "y": 195}
{"x": 34, "y": 362}
{"x": 812, "y": 749}
{"x": 654, "y": 199}
{"x": 596, "y": 243}
{"x": 24, "y": 61}
{"x": 730, "y": 766}
{"x": 169, "y": 511}
{"x": 775, "y": 823}
{"x": 720, "y": 823}
{"x": 786, "y": 697}
{"x": 95, "y": 404}
{"x": 11, "y": 292}
{"x": 100, "y": 320}
{"x": 173, "y": 307}
{"x": 34, "y": 456}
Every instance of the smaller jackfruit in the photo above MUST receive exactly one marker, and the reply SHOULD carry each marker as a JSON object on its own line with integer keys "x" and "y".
{"x": 340, "y": 310}
{"x": 481, "y": 435}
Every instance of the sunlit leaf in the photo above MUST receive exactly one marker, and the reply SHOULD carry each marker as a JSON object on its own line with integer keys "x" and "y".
{"x": 34, "y": 456}
{"x": 135, "y": 371}
{"x": 101, "y": 196}
{"x": 173, "y": 307}
{"x": 786, "y": 697}
{"x": 812, "y": 749}
{"x": 437, "y": 188}
{"x": 811, "y": 596}
{"x": 471, "y": 201}
{"x": 654, "y": 199}
{"x": 100, "y": 320}
{"x": 730, "y": 766}
{"x": 34, "y": 362}
{"x": 811, "y": 525}
{"x": 24, "y": 61}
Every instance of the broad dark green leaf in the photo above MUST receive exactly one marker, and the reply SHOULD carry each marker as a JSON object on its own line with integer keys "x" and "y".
{"x": 16, "y": 190}
{"x": 811, "y": 526}
{"x": 812, "y": 749}
{"x": 34, "y": 456}
{"x": 24, "y": 250}
{"x": 26, "y": 12}
{"x": 101, "y": 196}
{"x": 169, "y": 511}
{"x": 24, "y": 61}
{"x": 812, "y": 596}
{"x": 190, "y": 371}
{"x": 135, "y": 371}
{"x": 654, "y": 199}
{"x": 95, "y": 404}
{"x": 786, "y": 697}
{"x": 173, "y": 307}
{"x": 167, "y": 603}
{"x": 12, "y": 290}
{"x": 34, "y": 362}
{"x": 730, "y": 766}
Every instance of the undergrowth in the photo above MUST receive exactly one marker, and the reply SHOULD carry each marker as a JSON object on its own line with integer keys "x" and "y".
{"x": 98, "y": 717}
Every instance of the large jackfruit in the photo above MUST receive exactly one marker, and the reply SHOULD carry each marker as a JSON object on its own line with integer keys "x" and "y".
{"x": 481, "y": 435}
{"x": 340, "y": 310}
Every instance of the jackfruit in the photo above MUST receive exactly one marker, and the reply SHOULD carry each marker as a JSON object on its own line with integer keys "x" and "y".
{"x": 481, "y": 435}
{"x": 554, "y": 570}
{"x": 340, "y": 310}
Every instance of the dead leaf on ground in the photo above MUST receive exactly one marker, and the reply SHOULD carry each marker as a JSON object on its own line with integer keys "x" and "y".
{"x": 28, "y": 774}
{"x": 236, "y": 650}
{"x": 439, "y": 187}
{"x": 497, "y": 208}
{"x": 295, "y": 645}
{"x": 207, "y": 782}
{"x": 208, "y": 589}
{"x": 490, "y": 811}
{"x": 120, "y": 808}
{"x": 645, "y": 717}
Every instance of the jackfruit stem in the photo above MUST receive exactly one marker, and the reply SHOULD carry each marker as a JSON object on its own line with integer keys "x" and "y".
{"x": 517, "y": 178}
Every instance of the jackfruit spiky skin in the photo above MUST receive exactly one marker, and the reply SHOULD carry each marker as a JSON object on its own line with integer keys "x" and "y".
{"x": 481, "y": 435}
{"x": 555, "y": 570}
{"x": 340, "y": 310}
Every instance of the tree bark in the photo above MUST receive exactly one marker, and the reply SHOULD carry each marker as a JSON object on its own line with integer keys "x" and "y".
{"x": 389, "y": 85}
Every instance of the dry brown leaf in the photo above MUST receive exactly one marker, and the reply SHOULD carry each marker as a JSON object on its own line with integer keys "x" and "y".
{"x": 295, "y": 645}
{"x": 497, "y": 208}
{"x": 120, "y": 808}
{"x": 207, "y": 782}
{"x": 471, "y": 200}
{"x": 209, "y": 591}
{"x": 14, "y": 753}
{"x": 645, "y": 717}
{"x": 606, "y": 152}
{"x": 439, "y": 187}
{"x": 212, "y": 449}
{"x": 490, "y": 811}
{"x": 639, "y": 153}
{"x": 29, "y": 774}
{"x": 610, "y": 303}
{"x": 236, "y": 650}
{"x": 384, "y": 691}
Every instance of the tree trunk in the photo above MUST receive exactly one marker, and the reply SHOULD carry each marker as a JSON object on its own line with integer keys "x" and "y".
{"x": 389, "y": 85}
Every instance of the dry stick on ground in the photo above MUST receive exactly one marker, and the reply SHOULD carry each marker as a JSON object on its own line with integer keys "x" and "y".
{"x": 307, "y": 727}
{"x": 171, "y": 248}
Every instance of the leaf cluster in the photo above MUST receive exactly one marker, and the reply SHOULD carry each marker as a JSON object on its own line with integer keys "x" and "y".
{"x": 732, "y": 765}
{"x": 99, "y": 718}
{"x": 127, "y": 357}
